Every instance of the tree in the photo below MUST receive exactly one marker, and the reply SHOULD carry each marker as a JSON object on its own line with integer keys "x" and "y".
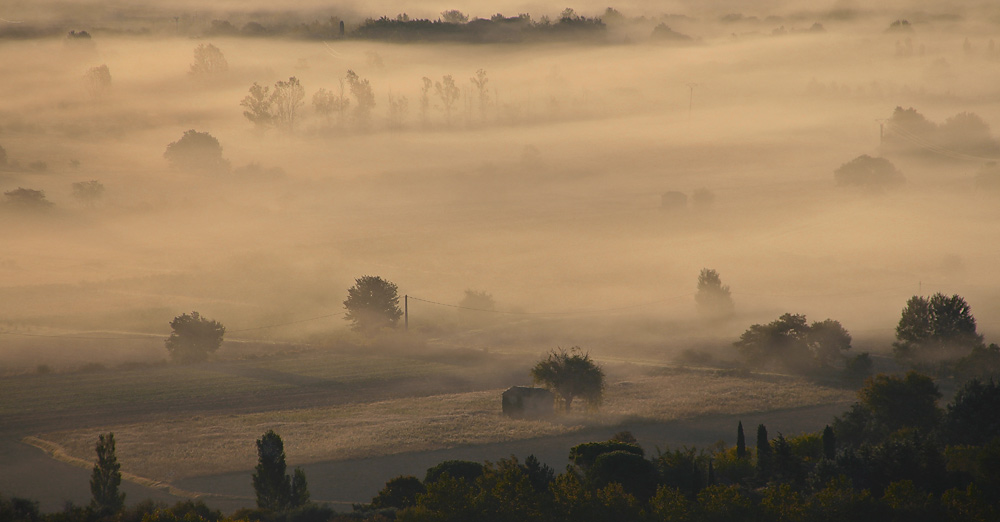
{"x": 88, "y": 191}
{"x": 829, "y": 443}
{"x": 425, "y": 99}
{"x": 454, "y": 16}
{"x": 973, "y": 417}
{"x": 398, "y": 109}
{"x": 868, "y": 172}
{"x": 449, "y": 93}
{"x": 479, "y": 81}
{"x": 196, "y": 151}
{"x": 105, "y": 479}
{"x": 935, "y": 330}
{"x": 571, "y": 374}
{"x": 258, "y": 106}
{"x": 782, "y": 341}
{"x": 888, "y": 404}
{"x": 713, "y": 298}
{"x": 208, "y": 61}
{"x": 741, "y": 442}
{"x": 326, "y": 103}
{"x": 275, "y": 490}
{"x": 364, "y": 98}
{"x": 372, "y": 304}
{"x": 828, "y": 340}
{"x": 764, "y": 456}
{"x": 286, "y": 100}
{"x": 400, "y": 493}
{"x": 193, "y": 338}
{"x": 98, "y": 80}
{"x": 27, "y": 199}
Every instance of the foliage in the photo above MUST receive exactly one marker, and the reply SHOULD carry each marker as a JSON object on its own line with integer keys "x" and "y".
{"x": 765, "y": 453}
{"x": 26, "y": 199}
{"x": 792, "y": 343}
{"x": 105, "y": 479}
{"x": 479, "y": 81}
{"x": 571, "y": 374}
{"x": 973, "y": 416}
{"x": 454, "y": 16}
{"x": 456, "y": 469}
{"x": 449, "y": 93}
{"x": 276, "y": 491}
{"x": 868, "y": 172}
{"x": 682, "y": 469}
{"x": 741, "y": 442}
{"x": 208, "y": 61}
{"x": 714, "y": 299}
{"x": 257, "y": 105}
{"x": 286, "y": 99}
{"x": 196, "y": 151}
{"x": 98, "y": 80}
{"x": 584, "y": 455}
{"x": 935, "y": 330}
{"x": 888, "y": 404}
{"x": 400, "y": 492}
{"x": 372, "y": 304}
{"x": 478, "y": 300}
{"x": 193, "y": 338}
{"x": 326, "y": 103}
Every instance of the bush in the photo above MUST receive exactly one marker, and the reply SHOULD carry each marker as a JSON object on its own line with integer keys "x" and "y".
{"x": 868, "y": 172}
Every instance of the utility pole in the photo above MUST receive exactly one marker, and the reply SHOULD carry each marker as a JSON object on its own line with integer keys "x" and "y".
{"x": 691, "y": 87}
{"x": 406, "y": 312}
{"x": 881, "y": 133}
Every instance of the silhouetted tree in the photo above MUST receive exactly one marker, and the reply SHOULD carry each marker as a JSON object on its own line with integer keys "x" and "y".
{"x": 829, "y": 443}
{"x": 258, "y": 105}
{"x": 828, "y": 340}
{"x": 935, "y": 330}
{"x": 372, "y": 304}
{"x": 713, "y": 298}
{"x": 571, "y": 374}
{"x": 478, "y": 300}
{"x": 425, "y": 100}
{"x": 326, "y": 103}
{"x": 741, "y": 442}
{"x": 208, "y": 61}
{"x": 105, "y": 479}
{"x": 193, "y": 338}
{"x": 764, "y": 456}
{"x": 286, "y": 100}
{"x": 454, "y": 16}
{"x": 364, "y": 98}
{"x": 868, "y": 172}
{"x": 26, "y": 199}
{"x": 448, "y": 92}
{"x": 275, "y": 490}
{"x": 398, "y": 108}
{"x": 479, "y": 81}
{"x": 782, "y": 341}
{"x": 973, "y": 416}
{"x": 400, "y": 492}
{"x": 887, "y": 404}
{"x": 98, "y": 80}
{"x": 196, "y": 151}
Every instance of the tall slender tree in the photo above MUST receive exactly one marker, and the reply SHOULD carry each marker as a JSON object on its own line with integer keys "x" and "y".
{"x": 763, "y": 453}
{"x": 741, "y": 442}
{"x": 106, "y": 478}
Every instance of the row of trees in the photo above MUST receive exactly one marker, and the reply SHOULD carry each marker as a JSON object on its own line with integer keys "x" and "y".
{"x": 353, "y": 101}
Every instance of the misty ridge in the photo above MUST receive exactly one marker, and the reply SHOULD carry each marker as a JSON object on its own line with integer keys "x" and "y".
{"x": 250, "y": 164}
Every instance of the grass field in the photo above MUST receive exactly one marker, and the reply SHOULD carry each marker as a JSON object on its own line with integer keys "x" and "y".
{"x": 174, "y": 445}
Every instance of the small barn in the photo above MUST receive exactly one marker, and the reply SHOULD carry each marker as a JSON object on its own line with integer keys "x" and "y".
{"x": 523, "y": 402}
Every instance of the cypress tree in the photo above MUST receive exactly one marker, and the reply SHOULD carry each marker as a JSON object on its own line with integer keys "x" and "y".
{"x": 741, "y": 442}
{"x": 763, "y": 453}
{"x": 829, "y": 443}
{"x": 272, "y": 486}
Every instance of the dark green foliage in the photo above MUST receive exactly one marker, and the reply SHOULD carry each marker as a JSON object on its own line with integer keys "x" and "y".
{"x": 372, "y": 304}
{"x": 193, "y": 338}
{"x": 741, "y": 442}
{"x": 456, "y": 469}
{"x": 637, "y": 476}
{"x": 934, "y": 330}
{"x": 829, "y": 443}
{"x": 973, "y": 417}
{"x": 724, "y": 504}
{"x": 888, "y": 404}
{"x": 764, "y": 453}
{"x": 105, "y": 479}
{"x": 584, "y": 455}
{"x": 16, "y": 509}
{"x": 571, "y": 374}
{"x": 874, "y": 467}
{"x": 683, "y": 469}
{"x": 982, "y": 363}
{"x": 786, "y": 466}
{"x": 196, "y": 151}
{"x": 400, "y": 492}
{"x": 275, "y": 490}
{"x": 539, "y": 475}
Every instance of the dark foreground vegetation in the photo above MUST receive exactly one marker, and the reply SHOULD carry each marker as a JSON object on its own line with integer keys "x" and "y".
{"x": 894, "y": 455}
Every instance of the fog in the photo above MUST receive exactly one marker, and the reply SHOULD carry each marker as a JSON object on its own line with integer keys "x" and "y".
{"x": 549, "y": 198}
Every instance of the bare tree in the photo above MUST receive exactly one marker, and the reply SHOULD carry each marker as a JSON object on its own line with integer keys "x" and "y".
{"x": 287, "y": 98}
{"x": 480, "y": 80}
{"x": 398, "y": 108}
{"x": 364, "y": 98}
{"x": 449, "y": 94}
{"x": 258, "y": 106}
{"x": 326, "y": 103}
{"x": 425, "y": 100}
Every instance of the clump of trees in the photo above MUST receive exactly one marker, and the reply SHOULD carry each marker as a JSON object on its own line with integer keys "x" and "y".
{"x": 935, "y": 331}
{"x": 962, "y": 136}
{"x": 26, "y": 199}
{"x": 869, "y": 173}
{"x": 372, "y": 305}
{"x": 193, "y": 338}
{"x": 571, "y": 374}
{"x": 197, "y": 152}
{"x": 98, "y": 80}
{"x": 88, "y": 192}
{"x": 790, "y": 342}
{"x": 279, "y": 107}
